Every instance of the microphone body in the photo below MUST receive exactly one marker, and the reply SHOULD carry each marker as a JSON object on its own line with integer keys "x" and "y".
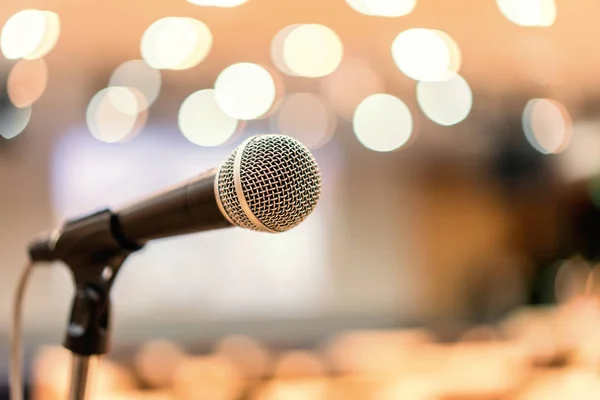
{"x": 188, "y": 208}
{"x": 270, "y": 183}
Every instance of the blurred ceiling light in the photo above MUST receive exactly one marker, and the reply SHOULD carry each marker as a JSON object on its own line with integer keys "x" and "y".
{"x": 390, "y": 8}
{"x": 305, "y": 117}
{"x": 359, "y": 6}
{"x": 29, "y": 34}
{"x": 50, "y": 36}
{"x": 581, "y": 160}
{"x": 13, "y": 120}
{"x": 279, "y": 91}
{"x": 311, "y": 50}
{"x": 27, "y": 82}
{"x": 445, "y": 103}
{"x": 344, "y": 98}
{"x": 176, "y": 43}
{"x": 127, "y": 100}
{"x": 547, "y": 125}
{"x": 277, "y": 49}
{"x": 139, "y": 75}
{"x": 218, "y": 3}
{"x": 245, "y": 91}
{"x": 112, "y": 114}
{"x": 202, "y": 121}
{"x": 426, "y": 54}
{"x": 529, "y": 12}
{"x": 383, "y": 122}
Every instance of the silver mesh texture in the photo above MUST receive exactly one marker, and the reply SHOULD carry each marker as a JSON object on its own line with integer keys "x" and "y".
{"x": 280, "y": 181}
{"x": 228, "y": 196}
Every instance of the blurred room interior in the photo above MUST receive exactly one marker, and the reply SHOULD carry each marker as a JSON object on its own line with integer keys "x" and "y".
{"x": 453, "y": 253}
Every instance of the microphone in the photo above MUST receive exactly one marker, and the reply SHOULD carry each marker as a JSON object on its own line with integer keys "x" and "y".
{"x": 270, "y": 183}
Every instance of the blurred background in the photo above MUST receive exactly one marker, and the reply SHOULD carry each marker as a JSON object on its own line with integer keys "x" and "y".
{"x": 452, "y": 256}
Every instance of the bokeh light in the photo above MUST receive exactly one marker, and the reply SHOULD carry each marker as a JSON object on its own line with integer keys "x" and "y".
{"x": 13, "y": 120}
{"x": 202, "y": 121}
{"x": 446, "y": 103}
{"x": 50, "y": 37}
{"x": 529, "y": 12}
{"x": 218, "y": 3}
{"x": 298, "y": 389}
{"x": 156, "y": 362}
{"x": 296, "y": 364}
{"x": 581, "y": 159}
{"x": 251, "y": 357}
{"x": 51, "y": 375}
{"x": 426, "y": 54}
{"x": 306, "y": 117}
{"x": 571, "y": 278}
{"x": 139, "y": 75}
{"x": 27, "y": 82}
{"x": 176, "y": 43}
{"x": 212, "y": 377}
{"x": 29, "y": 34}
{"x": 344, "y": 98}
{"x": 245, "y": 91}
{"x": 277, "y": 49}
{"x": 310, "y": 50}
{"x": 547, "y": 125}
{"x": 359, "y": 6}
{"x": 383, "y": 122}
{"x": 112, "y": 114}
{"x": 279, "y": 91}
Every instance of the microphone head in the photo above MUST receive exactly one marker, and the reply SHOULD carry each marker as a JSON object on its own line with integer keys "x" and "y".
{"x": 270, "y": 183}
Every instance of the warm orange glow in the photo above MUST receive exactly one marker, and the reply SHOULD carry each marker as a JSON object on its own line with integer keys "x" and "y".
{"x": 307, "y": 118}
{"x": 251, "y": 357}
{"x": 156, "y": 362}
{"x": 27, "y": 82}
{"x": 344, "y": 98}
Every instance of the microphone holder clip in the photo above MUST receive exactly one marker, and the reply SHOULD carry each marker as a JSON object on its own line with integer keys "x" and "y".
{"x": 88, "y": 329}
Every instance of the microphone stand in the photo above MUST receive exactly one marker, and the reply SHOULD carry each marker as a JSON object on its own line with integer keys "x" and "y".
{"x": 88, "y": 330}
{"x": 94, "y": 271}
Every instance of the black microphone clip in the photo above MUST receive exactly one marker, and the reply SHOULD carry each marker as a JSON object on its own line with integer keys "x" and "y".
{"x": 92, "y": 239}
{"x": 94, "y": 249}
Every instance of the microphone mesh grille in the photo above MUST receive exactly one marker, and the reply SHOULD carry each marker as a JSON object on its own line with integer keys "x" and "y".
{"x": 280, "y": 180}
{"x": 228, "y": 196}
